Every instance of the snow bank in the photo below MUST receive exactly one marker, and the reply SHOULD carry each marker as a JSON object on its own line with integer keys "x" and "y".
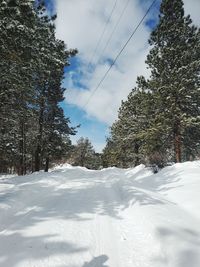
{"x": 6, "y": 176}
{"x": 72, "y": 217}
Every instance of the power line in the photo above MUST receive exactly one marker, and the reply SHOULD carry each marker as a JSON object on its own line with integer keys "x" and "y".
{"x": 118, "y": 55}
{"x": 103, "y": 32}
{"x": 114, "y": 29}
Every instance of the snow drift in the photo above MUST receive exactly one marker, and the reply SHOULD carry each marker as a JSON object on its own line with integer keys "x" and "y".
{"x": 74, "y": 217}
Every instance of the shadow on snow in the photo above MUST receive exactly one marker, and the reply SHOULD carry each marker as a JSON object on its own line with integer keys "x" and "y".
{"x": 68, "y": 195}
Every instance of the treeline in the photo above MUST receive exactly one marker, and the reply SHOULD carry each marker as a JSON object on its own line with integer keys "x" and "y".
{"x": 83, "y": 154}
{"x": 33, "y": 129}
{"x": 160, "y": 120}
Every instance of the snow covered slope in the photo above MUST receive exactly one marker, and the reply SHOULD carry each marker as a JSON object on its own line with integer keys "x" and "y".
{"x": 74, "y": 217}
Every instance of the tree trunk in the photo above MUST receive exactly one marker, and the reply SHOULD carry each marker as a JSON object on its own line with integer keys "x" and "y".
{"x": 39, "y": 141}
{"x": 37, "y": 158}
{"x": 32, "y": 166}
{"x": 25, "y": 152}
{"x": 177, "y": 144}
{"x": 22, "y": 151}
{"x": 136, "y": 150}
{"x": 47, "y": 165}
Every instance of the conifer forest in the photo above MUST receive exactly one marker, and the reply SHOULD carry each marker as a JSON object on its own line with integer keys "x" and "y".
{"x": 99, "y": 133}
{"x": 160, "y": 120}
{"x": 158, "y": 123}
{"x": 33, "y": 129}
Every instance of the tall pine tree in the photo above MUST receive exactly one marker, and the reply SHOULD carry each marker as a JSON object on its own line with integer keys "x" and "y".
{"x": 32, "y": 123}
{"x": 174, "y": 61}
{"x": 160, "y": 120}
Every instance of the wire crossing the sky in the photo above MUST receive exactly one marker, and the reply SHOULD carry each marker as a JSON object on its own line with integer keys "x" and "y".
{"x": 115, "y": 27}
{"x": 120, "y": 52}
{"x": 103, "y": 32}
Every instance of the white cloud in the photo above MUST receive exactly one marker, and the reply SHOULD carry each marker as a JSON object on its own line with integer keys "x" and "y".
{"x": 79, "y": 24}
{"x": 192, "y": 7}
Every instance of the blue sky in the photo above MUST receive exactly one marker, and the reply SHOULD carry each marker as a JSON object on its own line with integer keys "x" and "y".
{"x": 90, "y": 127}
{"x": 79, "y": 24}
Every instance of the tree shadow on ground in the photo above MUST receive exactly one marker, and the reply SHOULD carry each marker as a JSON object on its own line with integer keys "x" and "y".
{"x": 16, "y": 247}
{"x": 71, "y": 196}
{"x": 163, "y": 181}
{"x": 99, "y": 261}
{"x": 181, "y": 247}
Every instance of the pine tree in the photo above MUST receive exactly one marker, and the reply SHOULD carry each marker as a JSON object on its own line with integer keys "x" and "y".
{"x": 133, "y": 140}
{"x": 32, "y": 68}
{"x": 17, "y": 45}
{"x": 111, "y": 154}
{"x": 162, "y": 114}
{"x": 51, "y": 121}
{"x": 174, "y": 63}
{"x": 83, "y": 154}
{"x": 131, "y": 125}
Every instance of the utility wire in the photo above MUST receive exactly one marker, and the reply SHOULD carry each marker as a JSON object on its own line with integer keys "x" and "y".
{"x": 114, "y": 29}
{"x": 118, "y": 55}
{"x": 103, "y": 32}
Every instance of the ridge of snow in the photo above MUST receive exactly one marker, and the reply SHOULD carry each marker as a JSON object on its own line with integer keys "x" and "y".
{"x": 74, "y": 217}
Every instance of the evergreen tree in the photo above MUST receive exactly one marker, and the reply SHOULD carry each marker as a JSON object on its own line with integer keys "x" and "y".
{"x": 17, "y": 47}
{"x": 111, "y": 154}
{"x": 83, "y": 154}
{"x": 160, "y": 121}
{"x": 174, "y": 63}
{"x": 32, "y": 68}
{"x": 133, "y": 140}
{"x": 129, "y": 129}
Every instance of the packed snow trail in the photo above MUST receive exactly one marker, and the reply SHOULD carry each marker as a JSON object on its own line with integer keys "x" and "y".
{"x": 74, "y": 217}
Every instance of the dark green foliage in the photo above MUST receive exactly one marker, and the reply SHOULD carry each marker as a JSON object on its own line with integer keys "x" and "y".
{"x": 160, "y": 121}
{"x": 175, "y": 66}
{"x": 32, "y": 124}
{"x": 83, "y": 154}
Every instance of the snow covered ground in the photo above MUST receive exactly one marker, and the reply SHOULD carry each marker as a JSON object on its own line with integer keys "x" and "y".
{"x": 74, "y": 217}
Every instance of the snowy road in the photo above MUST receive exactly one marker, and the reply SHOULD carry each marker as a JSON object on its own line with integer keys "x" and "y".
{"x": 73, "y": 217}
